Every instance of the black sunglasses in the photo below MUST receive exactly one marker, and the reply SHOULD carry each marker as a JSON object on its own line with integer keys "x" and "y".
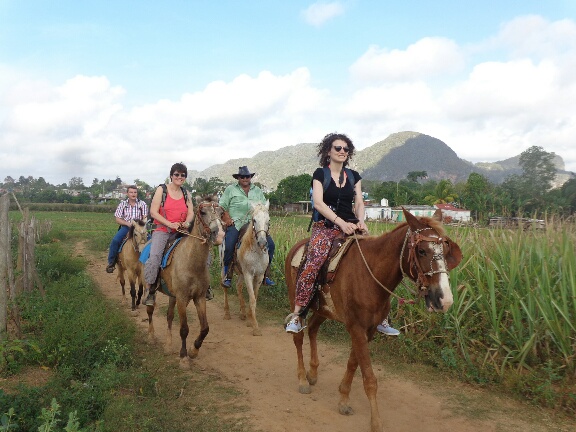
{"x": 244, "y": 176}
{"x": 180, "y": 175}
{"x": 340, "y": 148}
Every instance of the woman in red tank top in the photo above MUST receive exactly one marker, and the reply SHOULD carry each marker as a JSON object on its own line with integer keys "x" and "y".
{"x": 177, "y": 212}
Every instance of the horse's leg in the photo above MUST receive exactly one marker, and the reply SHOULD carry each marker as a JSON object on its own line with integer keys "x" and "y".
{"x": 140, "y": 290}
{"x": 132, "y": 280}
{"x": 184, "y": 330}
{"x": 169, "y": 320}
{"x": 303, "y": 385}
{"x": 361, "y": 355}
{"x": 239, "y": 286}
{"x": 252, "y": 284}
{"x": 226, "y": 307}
{"x": 150, "y": 311}
{"x": 313, "y": 326}
{"x": 122, "y": 281}
{"x": 344, "y": 407}
{"x": 204, "y": 328}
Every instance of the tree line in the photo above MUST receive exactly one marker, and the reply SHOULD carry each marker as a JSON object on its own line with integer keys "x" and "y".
{"x": 527, "y": 194}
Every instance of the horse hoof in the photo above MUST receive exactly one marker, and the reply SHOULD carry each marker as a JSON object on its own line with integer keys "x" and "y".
{"x": 345, "y": 410}
{"x": 304, "y": 389}
{"x": 227, "y": 316}
{"x": 311, "y": 380}
{"x": 193, "y": 353}
{"x": 242, "y": 317}
{"x": 184, "y": 363}
{"x": 134, "y": 313}
{"x": 248, "y": 323}
{"x": 257, "y": 332}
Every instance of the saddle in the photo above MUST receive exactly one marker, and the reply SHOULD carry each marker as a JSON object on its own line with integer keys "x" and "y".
{"x": 327, "y": 273}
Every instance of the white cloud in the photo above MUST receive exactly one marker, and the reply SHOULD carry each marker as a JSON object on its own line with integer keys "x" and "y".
{"x": 319, "y": 13}
{"x": 81, "y": 129}
{"x": 427, "y": 58}
{"x": 484, "y": 110}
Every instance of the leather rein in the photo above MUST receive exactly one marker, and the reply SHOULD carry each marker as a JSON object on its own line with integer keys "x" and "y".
{"x": 412, "y": 239}
{"x": 203, "y": 231}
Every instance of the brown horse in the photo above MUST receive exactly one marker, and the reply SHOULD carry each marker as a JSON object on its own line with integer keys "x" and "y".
{"x": 129, "y": 261}
{"x": 359, "y": 295}
{"x": 251, "y": 263}
{"x": 187, "y": 276}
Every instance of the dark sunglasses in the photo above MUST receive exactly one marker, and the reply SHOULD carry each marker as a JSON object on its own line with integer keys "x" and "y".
{"x": 180, "y": 175}
{"x": 244, "y": 176}
{"x": 340, "y": 148}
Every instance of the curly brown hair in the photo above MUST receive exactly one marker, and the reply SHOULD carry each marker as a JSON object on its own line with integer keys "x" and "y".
{"x": 326, "y": 145}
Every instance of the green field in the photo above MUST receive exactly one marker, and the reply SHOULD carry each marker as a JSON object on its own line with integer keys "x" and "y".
{"x": 512, "y": 325}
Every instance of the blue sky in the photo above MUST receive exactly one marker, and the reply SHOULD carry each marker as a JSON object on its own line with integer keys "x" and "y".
{"x": 97, "y": 89}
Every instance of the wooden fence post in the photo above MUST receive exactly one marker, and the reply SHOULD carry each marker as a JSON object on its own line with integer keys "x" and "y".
{"x": 5, "y": 263}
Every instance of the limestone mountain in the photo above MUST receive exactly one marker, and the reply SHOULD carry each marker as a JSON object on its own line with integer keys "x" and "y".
{"x": 388, "y": 160}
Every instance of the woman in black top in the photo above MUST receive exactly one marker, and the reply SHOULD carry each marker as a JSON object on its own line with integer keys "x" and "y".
{"x": 339, "y": 213}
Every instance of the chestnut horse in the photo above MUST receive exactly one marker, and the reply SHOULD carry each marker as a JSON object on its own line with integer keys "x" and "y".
{"x": 359, "y": 295}
{"x": 129, "y": 261}
{"x": 187, "y": 276}
{"x": 251, "y": 263}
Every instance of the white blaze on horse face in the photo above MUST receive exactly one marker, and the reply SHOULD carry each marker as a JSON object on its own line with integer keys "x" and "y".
{"x": 220, "y": 235}
{"x": 438, "y": 266}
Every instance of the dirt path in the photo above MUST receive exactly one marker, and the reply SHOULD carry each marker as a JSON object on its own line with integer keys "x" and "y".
{"x": 265, "y": 368}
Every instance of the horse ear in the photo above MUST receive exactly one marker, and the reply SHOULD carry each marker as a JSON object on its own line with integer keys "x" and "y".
{"x": 455, "y": 254}
{"x": 410, "y": 218}
{"x": 437, "y": 215}
{"x": 267, "y": 204}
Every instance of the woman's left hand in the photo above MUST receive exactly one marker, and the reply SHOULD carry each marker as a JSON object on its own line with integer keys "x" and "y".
{"x": 361, "y": 226}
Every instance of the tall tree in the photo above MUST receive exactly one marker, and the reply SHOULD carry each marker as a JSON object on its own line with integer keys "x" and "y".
{"x": 76, "y": 183}
{"x": 292, "y": 189}
{"x": 477, "y": 196}
{"x": 538, "y": 173}
{"x": 413, "y": 176}
{"x": 443, "y": 193}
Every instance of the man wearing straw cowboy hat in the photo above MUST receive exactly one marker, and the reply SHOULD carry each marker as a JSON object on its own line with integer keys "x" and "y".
{"x": 237, "y": 200}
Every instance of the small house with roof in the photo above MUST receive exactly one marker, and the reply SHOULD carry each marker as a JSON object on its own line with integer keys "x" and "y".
{"x": 450, "y": 213}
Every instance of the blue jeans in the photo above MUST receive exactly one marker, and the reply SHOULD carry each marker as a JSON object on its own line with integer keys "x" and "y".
{"x": 116, "y": 242}
{"x": 230, "y": 240}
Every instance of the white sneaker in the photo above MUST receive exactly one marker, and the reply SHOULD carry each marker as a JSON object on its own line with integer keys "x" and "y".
{"x": 294, "y": 325}
{"x": 386, "y": 329}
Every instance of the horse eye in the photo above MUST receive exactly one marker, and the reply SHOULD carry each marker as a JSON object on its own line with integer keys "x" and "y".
{"x": 421, "y": 252}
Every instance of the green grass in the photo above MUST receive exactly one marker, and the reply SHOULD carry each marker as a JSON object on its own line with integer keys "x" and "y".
{"x": 93, "y": 351}
{"x": 512, "y": 325}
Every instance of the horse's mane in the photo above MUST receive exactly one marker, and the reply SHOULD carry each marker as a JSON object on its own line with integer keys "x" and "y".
{"x": 436, "y": 225}
{"x": 131, "y": 230}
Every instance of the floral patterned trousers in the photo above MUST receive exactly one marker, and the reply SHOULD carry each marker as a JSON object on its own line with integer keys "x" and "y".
{"x": 318, "y": 250}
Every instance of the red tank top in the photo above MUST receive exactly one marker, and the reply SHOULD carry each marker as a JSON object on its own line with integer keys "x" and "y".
{"x": 173, "y": 210}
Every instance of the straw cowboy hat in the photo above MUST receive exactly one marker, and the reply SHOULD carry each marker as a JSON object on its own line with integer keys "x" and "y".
{"x": 243, "y": 171}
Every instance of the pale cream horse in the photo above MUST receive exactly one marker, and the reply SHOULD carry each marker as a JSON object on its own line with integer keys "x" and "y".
{"x": 250, "y": 263}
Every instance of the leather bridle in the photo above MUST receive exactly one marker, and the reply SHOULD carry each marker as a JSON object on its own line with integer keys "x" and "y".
{"x": 417, "y": 273}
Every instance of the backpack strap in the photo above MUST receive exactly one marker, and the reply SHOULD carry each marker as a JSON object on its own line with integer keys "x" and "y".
{"x": 327, "y": 178}
{"x": 165, "y": 191}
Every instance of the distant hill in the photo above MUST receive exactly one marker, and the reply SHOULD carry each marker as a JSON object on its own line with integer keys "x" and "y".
{"x": 388, "y": 160}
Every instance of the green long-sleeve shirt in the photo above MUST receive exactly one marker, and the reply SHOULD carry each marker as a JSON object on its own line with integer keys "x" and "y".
{"x": 235, "y": 201}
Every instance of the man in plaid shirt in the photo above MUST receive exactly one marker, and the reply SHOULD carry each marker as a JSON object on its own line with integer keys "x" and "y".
{"x": 129, "y": 209}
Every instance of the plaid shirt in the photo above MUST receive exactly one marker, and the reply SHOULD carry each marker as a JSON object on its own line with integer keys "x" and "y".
{"x": 127, "y": 212}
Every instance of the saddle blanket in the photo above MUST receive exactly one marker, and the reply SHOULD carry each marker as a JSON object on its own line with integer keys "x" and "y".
{"x": 146, "y": 253}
